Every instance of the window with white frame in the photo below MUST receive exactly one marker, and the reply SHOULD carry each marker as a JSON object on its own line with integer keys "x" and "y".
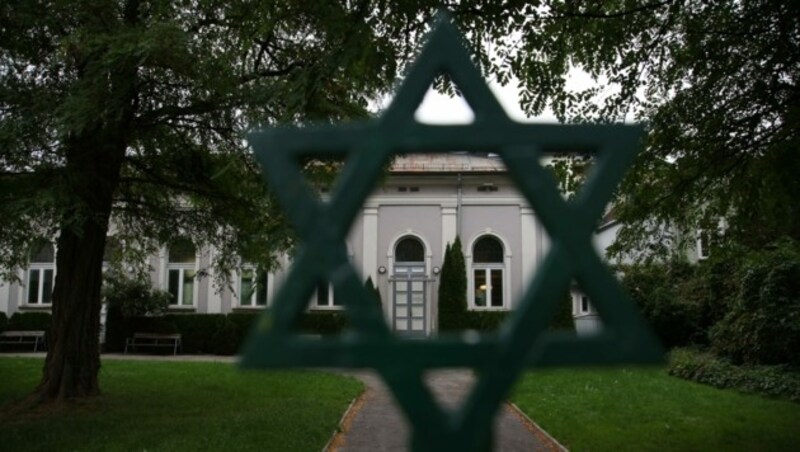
{"x": 325, "y": 298}
{"x": 253, "y": 285}
{"x": 488, "y": 274}
{"x": 181, "y": 272}
{"x": 41, "y": 276}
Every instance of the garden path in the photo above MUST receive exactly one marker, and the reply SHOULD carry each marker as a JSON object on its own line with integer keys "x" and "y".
{"x": 374, "y": 423}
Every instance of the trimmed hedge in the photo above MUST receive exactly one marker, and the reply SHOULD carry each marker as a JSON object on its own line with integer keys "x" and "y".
{"x": 773, "y": 381}
{"x": 211, "y": 333}
{"x": 483, "y": 320}
{"x": 198, "y": 331}
{"x": 30, "y": 321}
{"x": 325, "y": 323}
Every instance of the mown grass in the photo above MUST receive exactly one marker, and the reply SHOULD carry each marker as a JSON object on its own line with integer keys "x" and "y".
{"x": 174, "y": 406}
{"x": 646, "y": 409}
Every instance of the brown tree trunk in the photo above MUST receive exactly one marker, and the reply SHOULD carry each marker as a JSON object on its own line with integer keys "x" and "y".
{"x": 94, "y": 158}
{"x": 73, "y": 358}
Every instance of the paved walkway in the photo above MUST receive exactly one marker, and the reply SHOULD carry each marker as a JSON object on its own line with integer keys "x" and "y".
{"x": 375, "y": 423}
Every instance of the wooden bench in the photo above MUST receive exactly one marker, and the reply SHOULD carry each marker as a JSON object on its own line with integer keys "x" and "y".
{"x": 153, "y": 340}
{"x": 23, "y": 337}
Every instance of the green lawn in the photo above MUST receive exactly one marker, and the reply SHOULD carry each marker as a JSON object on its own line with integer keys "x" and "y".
{"x": 646, "y": 409}
{"x": 172, "y": 406}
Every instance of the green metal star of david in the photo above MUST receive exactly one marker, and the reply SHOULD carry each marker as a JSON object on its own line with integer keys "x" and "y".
{"x": 524, "y": 340}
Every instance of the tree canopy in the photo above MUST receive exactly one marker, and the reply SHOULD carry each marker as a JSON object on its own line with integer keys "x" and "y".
{"x": 717, "y": 85}
{"x": 133, "y": 112}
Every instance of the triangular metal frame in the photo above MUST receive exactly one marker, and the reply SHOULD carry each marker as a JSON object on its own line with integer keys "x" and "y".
{"x": 524, "y": 341}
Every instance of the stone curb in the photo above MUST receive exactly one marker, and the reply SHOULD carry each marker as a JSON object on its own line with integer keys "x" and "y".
{"x": 541, "y": 433}
{"x": 332, "y": 444}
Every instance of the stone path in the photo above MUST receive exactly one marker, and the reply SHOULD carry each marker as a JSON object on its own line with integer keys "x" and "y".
{"x": 375, "y": 423}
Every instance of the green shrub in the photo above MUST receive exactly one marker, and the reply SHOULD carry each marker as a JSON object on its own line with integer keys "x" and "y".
{"x": 243, "y": 320}
{"x": 30, "y": 321}
{"x": 660, "y": 293}
{"x": 775, "y": 381}
{"x": 563, "y": 319}
{"x": 321, "y": 322}
{"x": 134, "y": 297}
{"x": 763, "y": 325}
{"x": 227, "y": 339}
{"x": 197, "y": 331}
{"x": 370, "y": 286}
{"x": 482, "y": 320}
{"x": 453, "y": 290}
{"x": 128, "y": 299}
{"x": 3, "y": 321}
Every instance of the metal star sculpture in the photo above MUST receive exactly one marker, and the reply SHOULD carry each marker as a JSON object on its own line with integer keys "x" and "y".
{"x": 524, "y": 340}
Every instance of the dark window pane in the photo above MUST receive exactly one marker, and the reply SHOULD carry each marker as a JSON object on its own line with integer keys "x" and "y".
{"x": 246, "y": 288}
{"x": 322, "y": 294}
{"x": 33, "y": 286}
{"x": 497, "y": 288}
{"x": 584, "y": 304}
{"x": 261, "y": 290}
{"x": 174, "y": 281}
{"x": 43, "y": 254}
{"x": 480, "y": 287}
{"x": 188, "y": 288}
{"x": 47, "y": 286}
{"x": 182, "y": 251}
{"x": 409, "y": 250}
{"x": 487, "y": 250}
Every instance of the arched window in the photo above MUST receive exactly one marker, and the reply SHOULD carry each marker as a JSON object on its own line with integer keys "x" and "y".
{"x": 41, "y": 274}
{"x": 488, "y": 267}
{"x": 409, "y": 249}
{"x": 181, "y": 271}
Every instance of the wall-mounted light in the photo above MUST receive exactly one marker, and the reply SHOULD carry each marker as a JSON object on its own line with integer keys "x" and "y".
{"x": 382, "y": 270}
{"x": 436, "y": 270}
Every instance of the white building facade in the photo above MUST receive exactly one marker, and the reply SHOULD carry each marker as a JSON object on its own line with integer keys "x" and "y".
{"x": 398, "y": 240}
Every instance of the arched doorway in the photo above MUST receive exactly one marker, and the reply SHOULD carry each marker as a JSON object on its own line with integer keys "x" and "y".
{"x": 409, "y": 307}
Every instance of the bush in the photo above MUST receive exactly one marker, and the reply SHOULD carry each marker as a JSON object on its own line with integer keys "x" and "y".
{"x": 763, "y": 325}
{"x": 775, "y": 381}
{"x": 134, "y": 297}
{"x": 30, "y": 321}
{"x": 197, "y": 331}
{"x": 370, "y": 286}
{"x": 3, "y": 321}
{"x": 662, "y": 294}
{"x": 453, "y": 290}
{"x": 563, "y": 319}
{"x": 325, "y": 323}
{"x": 227, "y": 339}
{"x": 129, "y": 299}
{"x": 482, "y": 320}
{"x": 244, "y": 321}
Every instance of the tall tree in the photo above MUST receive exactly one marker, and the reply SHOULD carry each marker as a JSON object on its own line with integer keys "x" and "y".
{"x": 132, "y": 113}
{"x": 452, "y": 294}
{"x": 717, "y": 85}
